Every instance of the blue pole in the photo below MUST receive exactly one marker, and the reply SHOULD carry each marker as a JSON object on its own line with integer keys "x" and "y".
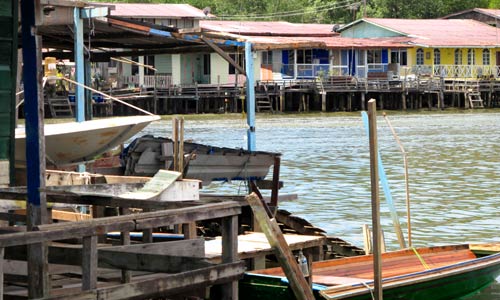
{"x": 31, "y": 113}
{"x": 385, "y": 186}
{"x": 79, "y": 66}
{"x": 250, "y": 103}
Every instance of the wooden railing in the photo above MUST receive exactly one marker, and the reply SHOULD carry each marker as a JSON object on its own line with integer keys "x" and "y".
{"x": 154, "y": 258}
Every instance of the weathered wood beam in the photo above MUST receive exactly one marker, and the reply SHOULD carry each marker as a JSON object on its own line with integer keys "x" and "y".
{"x": 89, "y": 263}
{"x": 163, "y": 285}
{"x": 230, "y": 253}
{"x": 223, "y": 55}
{"x": 298, "y": 283}
{"x": 109, "y": 258}
{"x": 188, "y": 248}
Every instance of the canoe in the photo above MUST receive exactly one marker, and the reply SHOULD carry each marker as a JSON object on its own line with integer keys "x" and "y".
{"x": 76, "y": 142}
{"x": 147, "y": 154}
{"x": 434, "y": 273}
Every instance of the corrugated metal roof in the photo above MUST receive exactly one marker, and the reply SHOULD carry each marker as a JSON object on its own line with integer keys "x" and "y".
{"x": 337, "y": 42}
{"x": 157, "y": 11}
{"x": 443, "y": 32}
{"x": 268, "y": 28}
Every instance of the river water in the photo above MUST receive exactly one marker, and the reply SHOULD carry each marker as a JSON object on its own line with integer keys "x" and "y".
{"x": 454, "y": 171}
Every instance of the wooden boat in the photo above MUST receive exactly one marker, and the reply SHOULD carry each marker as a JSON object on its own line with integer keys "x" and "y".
{"x": 76, "y": 142}
{"x": 147, "y": 154}
{"x": 445, "y": 272}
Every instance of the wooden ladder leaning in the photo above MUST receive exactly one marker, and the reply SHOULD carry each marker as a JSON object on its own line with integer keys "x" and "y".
{"x": 475, "y": 100}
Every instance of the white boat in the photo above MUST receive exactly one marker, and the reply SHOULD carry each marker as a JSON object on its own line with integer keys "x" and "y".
{"x": 75, "y": 142}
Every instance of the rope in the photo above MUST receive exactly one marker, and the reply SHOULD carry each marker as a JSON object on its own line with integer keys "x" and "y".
{"x": 369, "y": 289}
{"x": 426, "y": 266}
{"x": 106, "y": 95}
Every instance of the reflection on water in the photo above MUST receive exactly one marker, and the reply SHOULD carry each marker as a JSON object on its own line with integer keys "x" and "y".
{"x": 454, "y": 171}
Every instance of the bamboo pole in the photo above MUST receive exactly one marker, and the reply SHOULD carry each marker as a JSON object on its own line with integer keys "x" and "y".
{"x": 407, "y": 185}
{"x": 106, "y": 95}
{"x": 377, "y": 255}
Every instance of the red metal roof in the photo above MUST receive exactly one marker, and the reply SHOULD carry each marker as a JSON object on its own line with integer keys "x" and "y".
{"x": 156, "y": 11}
{"x": 443, "y": 32}
{"x": 250, "y": 28}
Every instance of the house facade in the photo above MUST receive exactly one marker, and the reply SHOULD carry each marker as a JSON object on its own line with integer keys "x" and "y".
{"x": 439, "y": 47}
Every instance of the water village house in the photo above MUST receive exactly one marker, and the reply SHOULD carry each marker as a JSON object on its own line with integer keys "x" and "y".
{"x": 365, "y": 48}
{"x": 450, "y": 48}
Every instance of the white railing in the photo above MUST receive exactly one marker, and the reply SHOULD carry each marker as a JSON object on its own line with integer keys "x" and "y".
{"x": 466, "y": 71}
{"x": 162, "y": 80}
{"x": 305, "y": 70}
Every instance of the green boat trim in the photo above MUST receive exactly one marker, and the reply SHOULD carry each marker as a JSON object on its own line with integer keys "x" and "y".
{"x": 457, "y": 280}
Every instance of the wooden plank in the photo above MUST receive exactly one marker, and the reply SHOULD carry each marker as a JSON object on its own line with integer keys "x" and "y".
{"x": 224, "y": 55}
{"x": 89, "y": 263}
{"x": 110, "y": 258}
{"x": 188, "y": 248}
{"x": 61, "y": 215}
{"x": 154, "y": 187}
{"x": 162, "y": 285}
{"x": 298, "y": 283}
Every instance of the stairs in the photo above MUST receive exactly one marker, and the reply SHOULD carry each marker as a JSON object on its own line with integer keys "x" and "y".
{"x": 262, "y": 100}
{"x": 60, "y": 107}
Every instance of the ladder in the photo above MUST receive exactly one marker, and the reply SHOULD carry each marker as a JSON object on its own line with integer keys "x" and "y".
{"x": 475, "y": 100}
{"x": 60, "y": 107}
{"x": 263, "y": 101}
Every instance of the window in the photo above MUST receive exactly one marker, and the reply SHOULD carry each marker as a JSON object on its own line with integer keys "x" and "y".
{"x": 374, "y": 56}
{"x": 458, "y": 56}
{"x": 239, "y": 58}
{"x": 486, "y": 57}
{"x": 399, "y": 57}
{"x": 304, "y": 56}
{"x": 135, "y": 68}
{"x": 471, "y": 57}
{"x": 420, "y": 56}
{"x": 206, "y": 64}
{"x": 437, "y": 57}
{"x": 267, "y": 57}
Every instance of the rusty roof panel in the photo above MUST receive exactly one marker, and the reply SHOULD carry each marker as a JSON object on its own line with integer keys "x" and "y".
{"x": 251, "y": 28}
{"x": 155, "y": 11}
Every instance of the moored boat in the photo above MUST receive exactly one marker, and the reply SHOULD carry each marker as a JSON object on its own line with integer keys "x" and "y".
{"x": 148, "y": 154}
{"x": 76, "y": 142}
{"x": 434, "y": 273}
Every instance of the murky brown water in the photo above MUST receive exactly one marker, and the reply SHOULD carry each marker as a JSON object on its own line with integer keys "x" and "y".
{"x": 454, "y": 163}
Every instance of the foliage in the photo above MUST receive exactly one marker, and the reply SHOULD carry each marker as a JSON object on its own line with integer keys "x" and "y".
{"x": 328, "y": 11}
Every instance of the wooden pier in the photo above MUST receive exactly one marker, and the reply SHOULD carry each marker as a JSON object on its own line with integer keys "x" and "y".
{"x": 335, "y": 93}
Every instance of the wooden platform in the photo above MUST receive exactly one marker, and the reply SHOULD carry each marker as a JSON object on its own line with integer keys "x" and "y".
{"x": 254, "y": 246}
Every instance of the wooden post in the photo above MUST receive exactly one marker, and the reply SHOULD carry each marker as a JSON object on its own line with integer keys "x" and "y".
{"x": 230, "y": 253}
{"x": 276, "y": 184}
{"x": 181, "y": 146}
{"x": 125, "y": 240}
{"x": 89, "y": 263}
{"x": 377, "y": 256}
{"x": 363, "y": 99}
{"x": 298, "y": 283}
{"x": 2, "y": 253}
{"x": 323, "y": 101}
{"x": 175, "y": 142}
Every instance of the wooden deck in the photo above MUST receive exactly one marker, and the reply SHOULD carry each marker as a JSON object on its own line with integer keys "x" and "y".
{"x": 255, "y": 247}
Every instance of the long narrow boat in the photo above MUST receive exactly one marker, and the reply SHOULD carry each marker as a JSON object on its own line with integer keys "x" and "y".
{"x": 445, "y": 272}
{"x": 76, "y": 142}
